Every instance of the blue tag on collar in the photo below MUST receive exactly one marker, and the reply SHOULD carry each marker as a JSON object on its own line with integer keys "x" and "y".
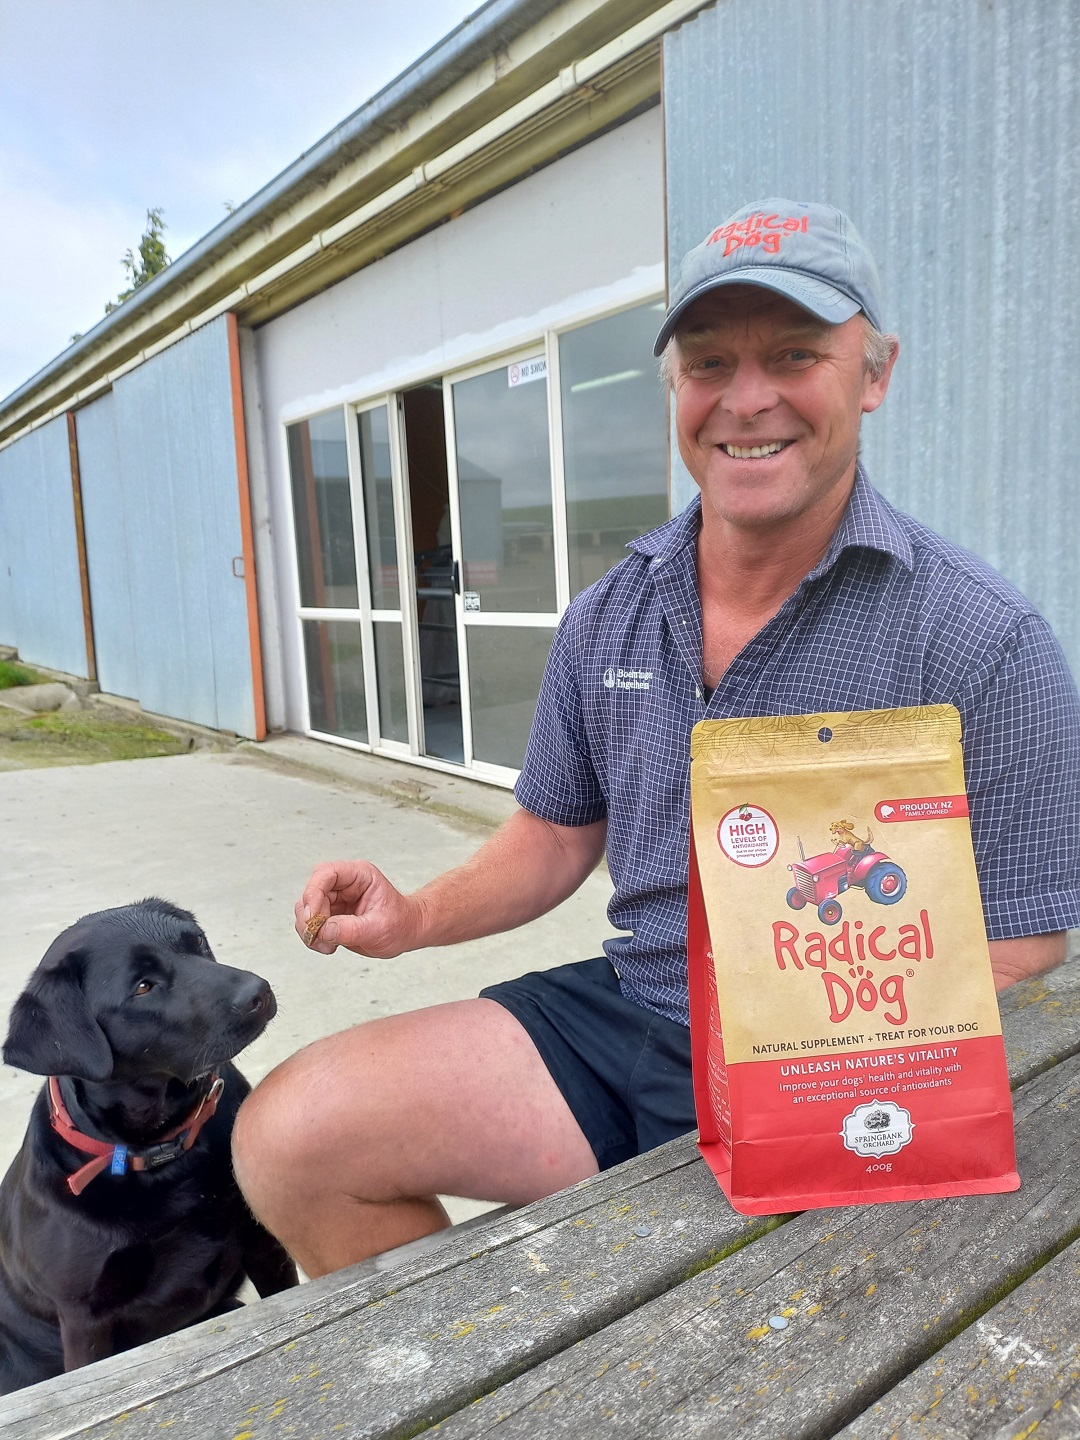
{"x": 119, "y": 1160}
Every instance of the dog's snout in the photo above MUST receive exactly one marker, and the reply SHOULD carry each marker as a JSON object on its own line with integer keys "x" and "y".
{"x": 255, "y": 998}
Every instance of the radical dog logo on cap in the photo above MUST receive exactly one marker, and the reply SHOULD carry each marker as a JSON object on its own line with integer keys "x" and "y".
{"x": 768, "y": 231}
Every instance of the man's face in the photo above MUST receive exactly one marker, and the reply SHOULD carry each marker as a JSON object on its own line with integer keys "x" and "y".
{"x": 756, "y": 373}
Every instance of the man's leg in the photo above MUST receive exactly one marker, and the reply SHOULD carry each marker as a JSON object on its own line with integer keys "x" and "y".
{"x": 343, "y": 1148}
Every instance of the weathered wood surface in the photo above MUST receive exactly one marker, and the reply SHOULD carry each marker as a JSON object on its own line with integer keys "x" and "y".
{"x": 1041, "y": 1021}
{"x": 412, "y": 1344}
{"x": 869, "y": 1292}
{"x": 397, "y": 1350}
{"x": 1015, "y": 1372}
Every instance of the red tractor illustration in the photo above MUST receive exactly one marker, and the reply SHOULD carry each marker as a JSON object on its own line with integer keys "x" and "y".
{"x": 819, "y": 880}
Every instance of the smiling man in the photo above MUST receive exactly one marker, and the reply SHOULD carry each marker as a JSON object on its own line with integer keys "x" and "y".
{"x": 788, "y": 587}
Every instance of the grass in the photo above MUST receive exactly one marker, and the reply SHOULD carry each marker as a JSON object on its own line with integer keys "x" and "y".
{"x": 80, "y": 737}
{"x": 11, "y": 673}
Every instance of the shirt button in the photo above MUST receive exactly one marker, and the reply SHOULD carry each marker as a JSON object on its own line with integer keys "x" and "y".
{"x": 697, "y": 692}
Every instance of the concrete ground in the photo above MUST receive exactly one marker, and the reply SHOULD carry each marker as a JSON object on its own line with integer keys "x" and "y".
{"x": 233, "y": 836}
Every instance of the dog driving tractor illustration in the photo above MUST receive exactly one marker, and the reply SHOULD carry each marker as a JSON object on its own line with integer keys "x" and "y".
{"x": 853, "y": 860}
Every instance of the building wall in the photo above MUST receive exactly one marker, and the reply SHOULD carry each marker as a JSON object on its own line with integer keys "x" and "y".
{"x": 949, "y": 132}
{"x": 41, "y": 608}
{"x": 105, "y": 522}
{"x": 580, "y": 233}
{"x": 162, "y": 519}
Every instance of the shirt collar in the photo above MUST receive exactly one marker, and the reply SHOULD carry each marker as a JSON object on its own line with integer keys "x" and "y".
{"x": 869, "y": 523}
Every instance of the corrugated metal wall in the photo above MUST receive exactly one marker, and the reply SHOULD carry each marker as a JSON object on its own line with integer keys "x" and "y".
{"x": 162, "y": 518}
{"x": 40, "y": 595}
{"x": 950, "y": 131}
{"x": 108, "y": 555}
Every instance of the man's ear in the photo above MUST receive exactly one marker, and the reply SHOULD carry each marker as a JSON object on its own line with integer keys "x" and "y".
{"x": 51, "y": 1031}
{"x": 876, "y": 386}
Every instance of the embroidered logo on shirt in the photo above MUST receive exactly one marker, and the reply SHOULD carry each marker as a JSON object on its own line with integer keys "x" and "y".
{"x": 627, "y": 679}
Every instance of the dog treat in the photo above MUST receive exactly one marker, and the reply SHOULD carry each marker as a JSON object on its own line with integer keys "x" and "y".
{"x": 845, "y": 1031}
{"x": 312, "y": 928}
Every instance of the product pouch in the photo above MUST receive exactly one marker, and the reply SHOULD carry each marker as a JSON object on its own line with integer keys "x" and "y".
{"x": 846, "y": 1039}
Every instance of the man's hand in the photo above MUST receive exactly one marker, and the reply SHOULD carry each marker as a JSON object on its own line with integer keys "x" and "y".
{"x": 366, "y": 913}
{"x": 1014, "y": 960}
{"x": 524, "y": 870}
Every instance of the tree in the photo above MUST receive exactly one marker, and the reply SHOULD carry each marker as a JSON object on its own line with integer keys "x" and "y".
{"x": 152, "y": 258}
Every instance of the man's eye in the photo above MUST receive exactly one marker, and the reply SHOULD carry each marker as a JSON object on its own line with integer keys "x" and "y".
{"x": 798, "y": 357}
{"x": 143, "y": 987}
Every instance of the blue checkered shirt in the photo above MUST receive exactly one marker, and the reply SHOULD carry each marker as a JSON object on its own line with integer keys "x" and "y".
{"x": 893, "y": 615}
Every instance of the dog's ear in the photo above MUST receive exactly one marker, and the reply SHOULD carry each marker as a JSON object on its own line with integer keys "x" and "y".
{"x": 51, "y": 1031}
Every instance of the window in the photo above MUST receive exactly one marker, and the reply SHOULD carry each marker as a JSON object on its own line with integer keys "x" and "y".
{"x": 323, "y": 512}
{"x": 614, "y": 426}
{"x": 334, "y": 655}
{"x": 378, "y": 483}
{"x": 504, "y": 481}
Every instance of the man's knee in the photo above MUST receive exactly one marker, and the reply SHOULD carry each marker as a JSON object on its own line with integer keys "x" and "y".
{"x": 284, "y": 1128}
{"x": 299, "y": 1129}
{"x": 259, "y": 1138}
{"x": 463, "y": 1082}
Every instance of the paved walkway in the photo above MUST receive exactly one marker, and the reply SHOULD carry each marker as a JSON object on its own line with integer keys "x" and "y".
{"x": 233, "y": 836}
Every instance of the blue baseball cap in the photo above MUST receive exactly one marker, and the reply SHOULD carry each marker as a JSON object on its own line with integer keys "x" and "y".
{"x": 810, "y": 253}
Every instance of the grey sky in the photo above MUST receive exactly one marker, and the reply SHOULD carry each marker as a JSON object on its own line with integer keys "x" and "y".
{"x": 109, "y": 107}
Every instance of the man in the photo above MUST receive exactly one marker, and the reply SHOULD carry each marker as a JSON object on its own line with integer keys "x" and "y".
{"x": 791, "y": 587}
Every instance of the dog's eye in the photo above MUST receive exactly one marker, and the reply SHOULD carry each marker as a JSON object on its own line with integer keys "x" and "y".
{"x": 143, "y": 987}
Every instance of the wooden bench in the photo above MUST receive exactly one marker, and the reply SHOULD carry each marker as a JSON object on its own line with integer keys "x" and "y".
{"x": 639, "y": 1303}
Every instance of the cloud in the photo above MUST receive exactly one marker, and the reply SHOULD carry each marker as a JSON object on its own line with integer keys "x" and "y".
{"x": 61, "y": 262}
{"x": 107, "y": 109}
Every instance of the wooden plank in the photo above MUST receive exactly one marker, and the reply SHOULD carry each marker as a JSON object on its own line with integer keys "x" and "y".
{"x": 490, "y": 1302}
{"x": 1041, "y": 1021}
{"x": 1015, "y": 1372}
{"x": 481, "y": 1320}
{"x": 867, "y": 1292}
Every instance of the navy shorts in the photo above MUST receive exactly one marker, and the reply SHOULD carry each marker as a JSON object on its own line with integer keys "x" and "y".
{"x": 623, "y": 1070}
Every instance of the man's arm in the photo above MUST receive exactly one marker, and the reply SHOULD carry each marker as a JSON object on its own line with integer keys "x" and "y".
{"x": 1021, "y": 724}
{"x": 527, "y": 868}
{"x": 1013, "y": 960}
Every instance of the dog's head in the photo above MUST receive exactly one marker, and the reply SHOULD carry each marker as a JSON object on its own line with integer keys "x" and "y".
{"x": 134, "y": 991}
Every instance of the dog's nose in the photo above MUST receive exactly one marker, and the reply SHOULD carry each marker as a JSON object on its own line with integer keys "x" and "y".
{"x": 255, "y": 998}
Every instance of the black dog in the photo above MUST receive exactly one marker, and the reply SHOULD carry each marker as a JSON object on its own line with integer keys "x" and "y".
{"x": 120, "y": 1219}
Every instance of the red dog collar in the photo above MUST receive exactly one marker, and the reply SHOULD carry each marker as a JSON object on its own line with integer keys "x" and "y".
{"x": 119, "y": 1158}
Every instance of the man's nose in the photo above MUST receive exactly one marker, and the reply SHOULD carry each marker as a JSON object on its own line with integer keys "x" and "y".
{"x": 749, "y": 391}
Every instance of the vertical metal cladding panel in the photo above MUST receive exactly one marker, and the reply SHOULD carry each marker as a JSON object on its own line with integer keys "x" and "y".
{"x": 178, "y": 482}
{"x": 40, "y": 593}
{"x": 10, "y": 544}
{"x": 108, "y": 553}
{"x": 950, "y": 131}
